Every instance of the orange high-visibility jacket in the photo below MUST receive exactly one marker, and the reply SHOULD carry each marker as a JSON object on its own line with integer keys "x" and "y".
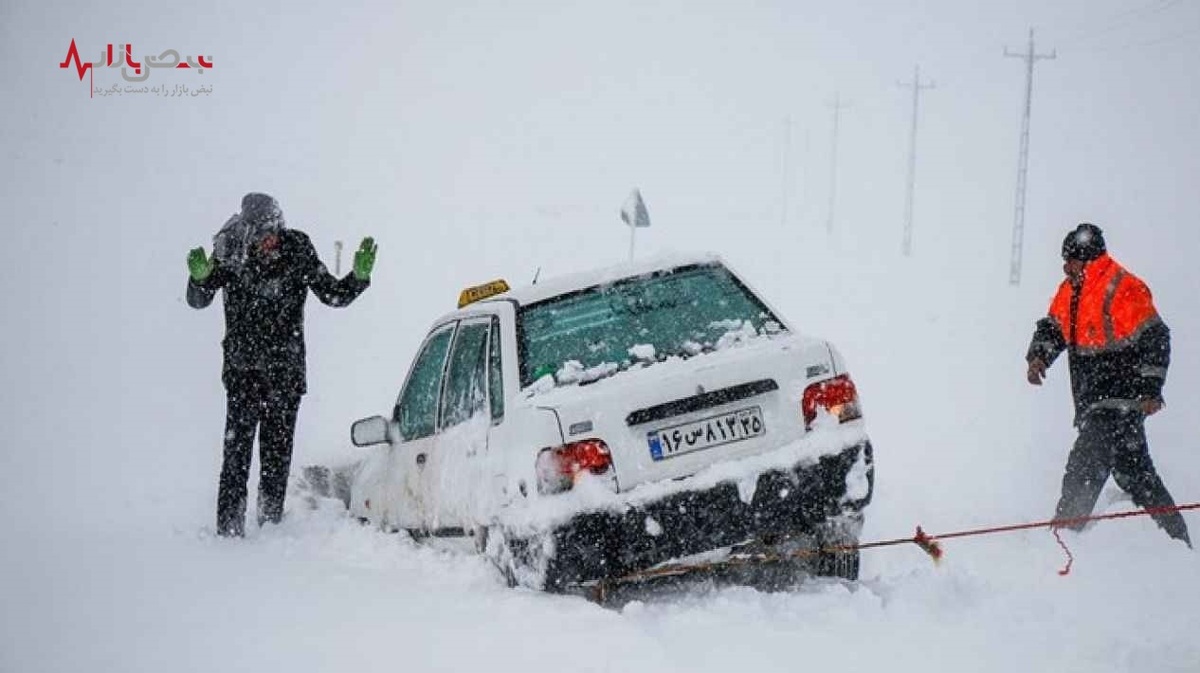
{"x": 1114, "y": 306}
{"x": 1119, "y": 348}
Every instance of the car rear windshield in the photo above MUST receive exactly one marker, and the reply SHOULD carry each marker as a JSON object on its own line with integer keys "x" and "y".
{"x": 679, "y": 312}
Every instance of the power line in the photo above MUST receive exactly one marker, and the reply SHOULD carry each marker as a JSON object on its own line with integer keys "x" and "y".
{"x": 912, "y": 156}
{"x": 1030, "y": 57}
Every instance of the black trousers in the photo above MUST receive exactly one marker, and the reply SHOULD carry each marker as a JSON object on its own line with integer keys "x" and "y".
{"x": 1113, "y": 442}
{"x": 254, "y": 404}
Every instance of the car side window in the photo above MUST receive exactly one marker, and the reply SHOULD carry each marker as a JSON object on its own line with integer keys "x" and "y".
{"x": 416, "y": 412}
{"x": 466, "y": 377}
{"x": 495, "y": 373}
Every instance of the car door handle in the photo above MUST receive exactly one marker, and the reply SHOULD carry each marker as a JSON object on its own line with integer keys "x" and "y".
{"x": 420, "y": 460}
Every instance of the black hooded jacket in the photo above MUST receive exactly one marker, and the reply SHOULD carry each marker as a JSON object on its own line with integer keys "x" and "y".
{"x": 264, "y": 309}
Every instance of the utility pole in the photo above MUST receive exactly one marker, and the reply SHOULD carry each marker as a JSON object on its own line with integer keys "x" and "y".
{"x": 337, "y": 258}
{"x": 787, "y": 151}
{"x": 1030, "y": 56}
{"x": 912, "y": 156}
{"x": 837, "y": 106}
{"x": 806, "y": 176}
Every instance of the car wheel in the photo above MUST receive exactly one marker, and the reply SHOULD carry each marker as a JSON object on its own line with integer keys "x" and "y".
{"x": 840, "y": 564}
{"x": 775, "y": 575}
{"x": 320, "y": 481}
{"x": 495, "y": 548}
{"x": 838, "y": 533}
{"x": 521, "y": 561}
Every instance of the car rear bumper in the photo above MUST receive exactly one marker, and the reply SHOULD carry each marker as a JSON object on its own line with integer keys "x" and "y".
{"x": 597, "y": 545}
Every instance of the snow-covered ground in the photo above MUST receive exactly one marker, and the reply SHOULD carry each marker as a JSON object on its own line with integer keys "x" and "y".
{"x": 319, "y": 595}
{"x": 470, "y": 154}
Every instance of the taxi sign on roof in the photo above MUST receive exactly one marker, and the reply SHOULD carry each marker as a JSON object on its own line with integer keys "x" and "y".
{"x": 480, "y": 292}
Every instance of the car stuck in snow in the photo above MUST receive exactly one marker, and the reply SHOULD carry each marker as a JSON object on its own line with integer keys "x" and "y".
{"x": 607, "y": 422}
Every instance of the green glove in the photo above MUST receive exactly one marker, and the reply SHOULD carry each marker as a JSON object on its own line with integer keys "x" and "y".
{"x": 199, "y": 265}
{"x": 364, "y": 259}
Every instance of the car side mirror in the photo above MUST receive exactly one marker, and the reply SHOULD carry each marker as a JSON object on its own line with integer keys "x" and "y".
{"x": 369, "y": 431}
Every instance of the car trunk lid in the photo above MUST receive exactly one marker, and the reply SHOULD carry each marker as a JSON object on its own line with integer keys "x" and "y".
{"x": 674, "y": 418}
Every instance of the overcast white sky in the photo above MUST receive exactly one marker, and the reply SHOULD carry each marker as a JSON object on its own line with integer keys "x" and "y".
{"x": 479, "y": 139}
{"x": 484, "y": 139}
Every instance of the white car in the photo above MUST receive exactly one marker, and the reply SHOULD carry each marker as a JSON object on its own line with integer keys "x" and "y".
{"x": 588, "y": 427}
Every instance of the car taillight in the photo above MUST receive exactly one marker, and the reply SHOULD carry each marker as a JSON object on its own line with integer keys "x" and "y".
{"x": 560, "y": 466}
{"x": 836, "y": 395}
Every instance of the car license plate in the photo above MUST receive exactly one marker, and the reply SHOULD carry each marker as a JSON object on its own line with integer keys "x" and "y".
{"x": 706, "y": 433}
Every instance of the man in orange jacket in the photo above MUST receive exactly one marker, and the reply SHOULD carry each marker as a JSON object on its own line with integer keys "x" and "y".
{"x": 1118, "y": 351}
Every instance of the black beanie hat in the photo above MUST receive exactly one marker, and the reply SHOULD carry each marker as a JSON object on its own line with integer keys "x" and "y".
{"x": 1084, "y": 243}
{"x": 262, "y": 210}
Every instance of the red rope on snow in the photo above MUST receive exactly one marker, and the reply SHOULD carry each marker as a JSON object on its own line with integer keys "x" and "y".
{"x": 926, "y": 542}
{"x": 1070, "y": 559}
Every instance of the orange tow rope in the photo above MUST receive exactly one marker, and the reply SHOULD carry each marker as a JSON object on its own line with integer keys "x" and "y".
{"x": 929, "y": 543}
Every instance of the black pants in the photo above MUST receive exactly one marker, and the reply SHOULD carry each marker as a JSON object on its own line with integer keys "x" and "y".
{"x": 1113, "y": 441}
{"x": 254, "y": 404}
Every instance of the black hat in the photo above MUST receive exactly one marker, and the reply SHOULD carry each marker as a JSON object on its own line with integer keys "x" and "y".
{"x": 261, "y": 210}
{"x": 1084, "y": 243}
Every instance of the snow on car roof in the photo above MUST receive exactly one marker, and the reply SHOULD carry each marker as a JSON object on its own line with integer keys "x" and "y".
{"x": 551, "y": 287}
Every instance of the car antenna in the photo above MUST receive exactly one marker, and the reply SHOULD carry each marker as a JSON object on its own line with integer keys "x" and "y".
{"x": 535, "y": 275}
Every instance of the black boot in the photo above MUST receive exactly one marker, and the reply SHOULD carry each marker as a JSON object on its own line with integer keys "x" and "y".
{"x": 231, "y": 516}
{"x": 1186, "y": 539}
{"x": 231, "y": 528}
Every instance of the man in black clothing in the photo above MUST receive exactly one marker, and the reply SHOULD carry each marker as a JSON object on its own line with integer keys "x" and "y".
{"x": 1118, "y": 350}
{"x": 266, "y": 270}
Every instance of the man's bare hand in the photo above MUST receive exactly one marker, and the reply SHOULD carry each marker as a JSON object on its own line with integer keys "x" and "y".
{"x": 1037, "y": 372}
